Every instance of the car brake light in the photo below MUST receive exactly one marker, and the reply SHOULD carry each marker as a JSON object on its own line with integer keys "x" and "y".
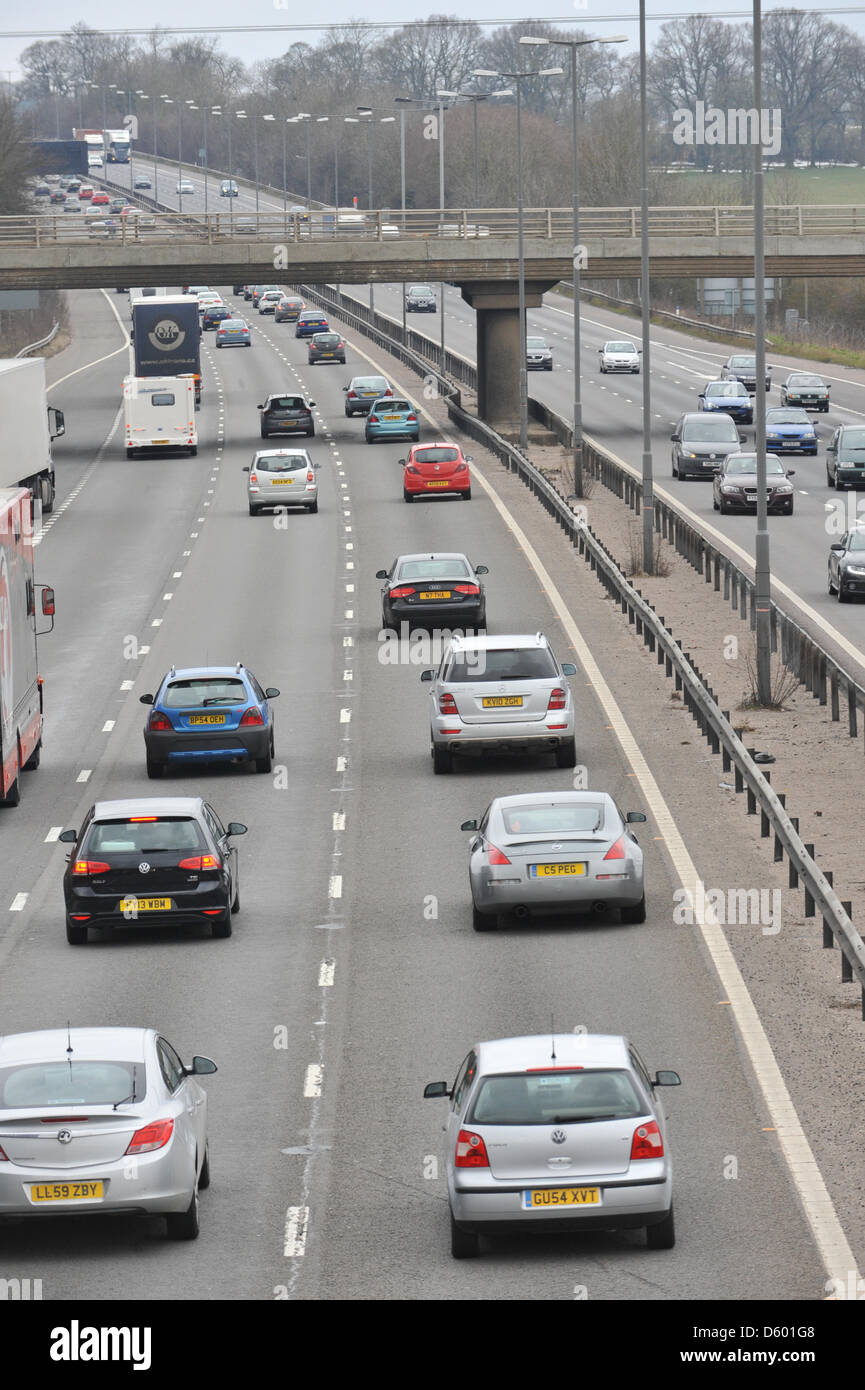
{"x": 253, "y": 477}
{"x": 373, "y": 419}
{"x": 447, "y": 704}
{"x": 388, "y": 392}
{"x": 158, "y": 721}
{"x": 471, "y": 1151}
{"x": 200, "y": 861}
{"x": 310, "y": 477}
{"x": 352, "y": 394}
{"x": 403, "y": 591}
{"x": 411, "y": 469}
{"x": 495, "y": 855}
{"x": 411, "y": 419}
{"x": 252, "y": 716}
{"x": 153, "y": 1136}
{"x": 3, "y": 1157}
{"x": 90, "y": 866}
{"x": 616, "y": 851}
{"x": 558, "y": 699}
{"x": 647, "y": 1142}
{"x": 466, "y": 589}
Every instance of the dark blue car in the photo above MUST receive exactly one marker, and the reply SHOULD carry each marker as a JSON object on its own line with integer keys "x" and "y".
{"x": 209, "y": 714}
{"x": 789, "y": 430}
{"x": 729, "y": 396}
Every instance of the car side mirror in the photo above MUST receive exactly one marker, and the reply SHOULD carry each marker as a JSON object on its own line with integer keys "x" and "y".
{"x": 401, "y": 463}
{"x": 146, "y": 699}
{"x": 469, "y": 825}
{"x": 381, "y": 574}
{"x": 481, "y": 569}
{"x": 245, "y": 468}
{"x": 830, "y": 448}
{"x": 68, "y": 837}
{"x": 568, "y": 668}
{"x": 742, "y": 439}
{"x": 201, "y": 1066}
{"x": 436, "y": 1090}
{"x": 836, "y": 546}
{"x": 702, "y": 395}
{"x": 667, "y": 1078}
{"x": 259, "y": 407}
{"x": 675, "y": 438}
{"x": 236, "y": 828}
{"x": 634, "y": 816}
{"x": 310, "y": 404}
{"x": 716, "y": 471}
{"x": 345, "y": 388}
{"x": 791, "y": 472}
{"x": 427, "y": 675}
{"x": 468, "y": 458}
{"x": 271, "y": 692}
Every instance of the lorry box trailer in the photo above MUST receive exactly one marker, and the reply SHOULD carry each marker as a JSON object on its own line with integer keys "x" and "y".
{"x": 166, "y": 336}
{"x": 159, "y": 413}
{"x": 29, "y": 425}
{"x": 20, "y": 682}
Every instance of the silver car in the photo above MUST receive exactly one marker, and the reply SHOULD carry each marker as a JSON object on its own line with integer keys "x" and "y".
{"x": 620, "y": 357}
{"x": 555, "y": 852}
{"x": 362, "y": 391}
{"x": 539, "y": 356}
{"x": 281, "y": 478}
{"x": 498, "y": 694}
{"x": 561, "y": 1133}
{"x": 102, "y": 1121}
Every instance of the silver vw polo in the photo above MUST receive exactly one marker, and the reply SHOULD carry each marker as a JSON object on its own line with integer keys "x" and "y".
{"x": 555, "y": 852}
{"x": 498, "y": 694}
{"x": 559, "y": 1132}
{"x": 102, "y": 1120}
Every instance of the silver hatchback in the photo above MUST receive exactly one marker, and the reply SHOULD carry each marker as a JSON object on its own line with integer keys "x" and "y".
{"x": 500, "y": 694}
{"x": 281, "y": 478}
{"x": 555, "y": 852}
{"x": 561, "y": 1133}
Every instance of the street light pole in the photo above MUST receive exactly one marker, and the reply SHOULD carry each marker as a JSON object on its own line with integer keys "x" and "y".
{"x": 762, "y": 567}
{"x": 648, "y": 498}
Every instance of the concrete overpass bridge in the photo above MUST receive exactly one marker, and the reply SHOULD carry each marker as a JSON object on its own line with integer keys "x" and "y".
{"x": 475, "y": 249}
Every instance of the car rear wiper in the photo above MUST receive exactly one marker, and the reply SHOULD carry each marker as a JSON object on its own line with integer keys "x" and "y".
{"x": 222, "y": 700}
{"x": 127, "y": 1099}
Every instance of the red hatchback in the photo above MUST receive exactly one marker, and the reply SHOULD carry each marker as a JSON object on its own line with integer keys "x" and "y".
{"x": 436, "y": 468}
{"x": 99, "y": 198}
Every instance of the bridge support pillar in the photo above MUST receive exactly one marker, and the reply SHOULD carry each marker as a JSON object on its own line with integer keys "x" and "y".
{"x": 496, "y": 304}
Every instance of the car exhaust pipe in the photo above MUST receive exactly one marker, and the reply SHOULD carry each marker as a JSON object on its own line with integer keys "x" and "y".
{"x": 521, "y": 911}
{"x": 599, "y": 907}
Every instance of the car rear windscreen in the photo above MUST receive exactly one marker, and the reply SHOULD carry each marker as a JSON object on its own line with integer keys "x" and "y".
{"x": 286, "y": 403}
{"x": 69, "y": 1082}
{"x": 433, "y": 569}
{"x": 143, "y": 836}
{"x": 436, "y": 454}
{"x": 503, "y": 664}
{"x": 206, "y": 691}
{"x": 556, "y": 1097}
{"x": 532, "y": 820}
{"x": 285, "y": 463}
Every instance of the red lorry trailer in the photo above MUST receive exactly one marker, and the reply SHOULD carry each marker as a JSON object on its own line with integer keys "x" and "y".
{"x": 20, "y": 682}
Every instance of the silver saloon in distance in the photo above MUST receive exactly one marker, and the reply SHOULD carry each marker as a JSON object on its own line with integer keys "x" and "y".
{"x": 561, "y": 1133}
{"x": 501, "y": 694}
{"x": 97, "y": 1121}
{"x": 552, "y": 853}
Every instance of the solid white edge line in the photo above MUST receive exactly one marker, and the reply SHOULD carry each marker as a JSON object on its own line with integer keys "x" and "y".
{"x": 805, "y": 1175}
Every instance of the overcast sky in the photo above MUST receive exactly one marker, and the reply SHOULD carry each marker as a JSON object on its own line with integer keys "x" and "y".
{"x": 595, "y": 16}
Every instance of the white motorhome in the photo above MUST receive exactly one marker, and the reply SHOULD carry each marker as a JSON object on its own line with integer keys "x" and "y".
{"x": 159, "y": 413}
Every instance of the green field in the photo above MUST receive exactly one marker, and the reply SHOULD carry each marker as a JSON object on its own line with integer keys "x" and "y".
{"x": 787, "y": 186}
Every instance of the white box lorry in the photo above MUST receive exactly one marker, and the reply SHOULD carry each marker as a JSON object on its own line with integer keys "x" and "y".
{"x": 27, "y": 426}
{"x": 159, "y": 413}
{"x": 20, "y": 682}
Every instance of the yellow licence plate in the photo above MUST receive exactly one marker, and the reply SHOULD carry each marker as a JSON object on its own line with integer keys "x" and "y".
{"x": 436, "y": 593}
{"x": 391, "y": 417}
{"x": 562, "y": 1197}
{"x": 556, "y": 870}
{"x": 501, "y": 701}
{"x": 66, "y": 1191}
{"x": 145, "y": 904}
{"x": 442, "y": 484}
{"x": 207, "y": 718}
{"x": 280, "y": 482}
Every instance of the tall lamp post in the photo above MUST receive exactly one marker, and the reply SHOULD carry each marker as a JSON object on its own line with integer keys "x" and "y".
{"x": 145, "y": 96}
{"x": 170, "y": 101}
{"x": 518, "y": 78}
{"x": 762, "y": 567}
{"x": 474, "y": 98}
{"x": 573, "y": 45}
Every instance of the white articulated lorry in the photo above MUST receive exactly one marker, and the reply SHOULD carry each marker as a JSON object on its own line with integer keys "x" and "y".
{"x": 27, "y": 426}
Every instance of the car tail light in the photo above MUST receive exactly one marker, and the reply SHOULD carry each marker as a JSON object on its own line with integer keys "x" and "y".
{"x": 159, "y": 722}
{"x": 388, "y": 392}
{"x": 647, "y": 1142}
{"x": 403, "y": 591}
{"x": 310, "y": 477}
{"x": 373, "y": 419}
{"x": 253, "y": 477}
{"x": 252, "y": 716}
{"x": 411, "y": 469}
{"x": 616, "y": 851}
{"x": 153, "y": 1136}
{"x": 352, "y": 395}
{"x": 411, "y": 419}
{"x": 199, "y": 862}
{"x": 90, "y": 866}
{"x": 495, "y": 855}
{"x": 558, "y": 699}
{"x": 466, "y": 589}
{"x": 447, "y": 704}
{"x": 471, "y": 1151}
{"x": 3, "y": 1157}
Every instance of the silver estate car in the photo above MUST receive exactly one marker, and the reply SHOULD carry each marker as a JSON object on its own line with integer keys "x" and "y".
{"x": 555, "y": 852}
{"x": 557, "y": 1133}
{"x": 99, "y": 1121}
{"x": 281, "y": 478}
{"x": 499, "y": 694}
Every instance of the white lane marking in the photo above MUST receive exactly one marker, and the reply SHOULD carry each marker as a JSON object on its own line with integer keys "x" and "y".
{"x": 349, "y": 564}
{"x": 805, "y": 1174}
{"x": 167, "y": 597}
{"x": 126, "y": 685}
{"x": 142, "y": 651}
{"x": 296, "y": 1227}
{"x": 108, "y": 726}
{"x": 19, "y": 902}
{"x": 53, "y": 834}
{"x": 326, "y": 972}
{"x": 84, "y": 775}
{"x": 341, "y": 763}
{"x": 334, "y": 887}
{"x": 157, "y": 622}
{"x": 312, "y": 1080}
{"x": 348, "y": 675}
{"x": 339, "y": 820}
{"x": 349, "y": 613}
{"x": 348, "y": 641}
